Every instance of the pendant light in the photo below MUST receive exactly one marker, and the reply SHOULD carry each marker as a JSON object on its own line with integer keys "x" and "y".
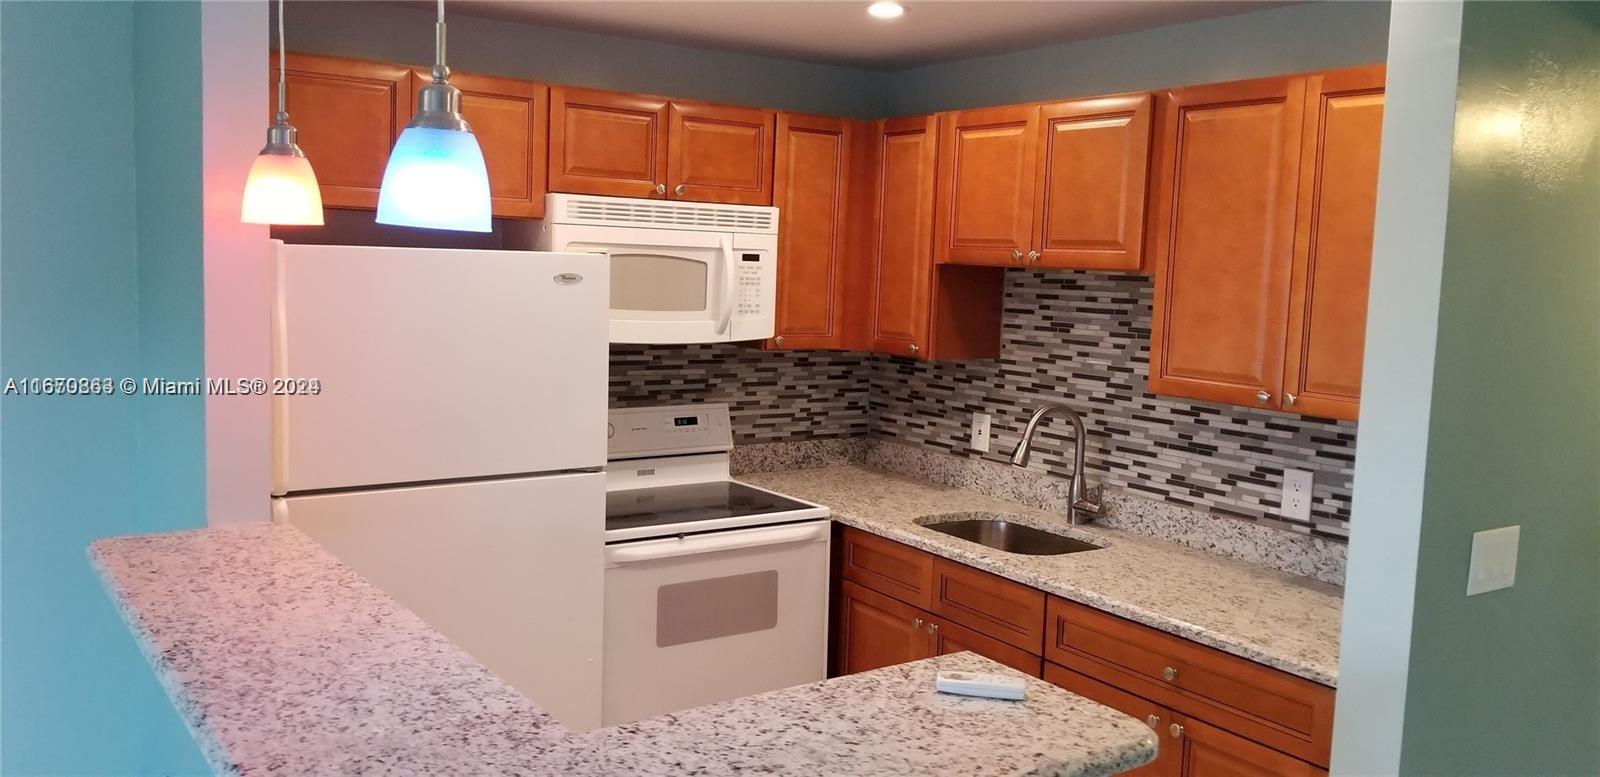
{"x": 436, "y": 177}
{"x": 282, "y": 188}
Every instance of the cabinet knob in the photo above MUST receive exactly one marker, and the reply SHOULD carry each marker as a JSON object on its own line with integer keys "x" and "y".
{"x": 1175, "y": 730}
{"x": 1033, "y": 257}
{"x": 1016, "y": 255}
{"x": 1262, "y": 396}
{"x": 1153, "y": 721}
{"x": 932, "y": 627}
{"x": 916, "y": 623}
{"x": 914, "y": 348}
{"x": 778, "y": 341}
{"x": 1169, "y": 674}
{"x": 661, "y": 188}
{"x": 1290, "y": 399}
{"x": 678, "y": 190}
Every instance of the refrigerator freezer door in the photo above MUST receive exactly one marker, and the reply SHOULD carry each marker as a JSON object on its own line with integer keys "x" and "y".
{"x": 509, "y": 570}
{"x": 437, "y": 364}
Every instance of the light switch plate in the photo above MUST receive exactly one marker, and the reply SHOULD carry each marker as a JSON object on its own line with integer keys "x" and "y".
{"x": 980, "y": 431}
{"x": 1296, "y": 494}
{"x": 1494, "y": 560}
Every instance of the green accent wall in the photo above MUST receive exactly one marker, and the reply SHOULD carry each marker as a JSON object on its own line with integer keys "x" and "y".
{"x": 1508, "y": 682}
{"x": 99, "y": 276}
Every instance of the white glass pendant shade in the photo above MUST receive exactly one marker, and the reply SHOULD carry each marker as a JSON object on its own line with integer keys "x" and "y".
{"x": 281, "y": 189}
{"x": 436, "y": 179}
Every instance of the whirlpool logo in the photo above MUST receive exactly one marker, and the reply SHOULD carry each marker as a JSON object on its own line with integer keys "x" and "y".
{"x": 568, "y": 278}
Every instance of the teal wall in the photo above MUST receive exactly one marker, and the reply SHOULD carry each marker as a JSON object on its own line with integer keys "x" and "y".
{"x": 1297, "y": 38}
{"x": 1508, "y": 682}
{"x": 79, "y": 156}
{"x": 372, "y": 31}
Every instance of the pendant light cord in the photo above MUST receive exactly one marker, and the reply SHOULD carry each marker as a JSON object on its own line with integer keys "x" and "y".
{"x": 440, "y": 71}
{"x": 283, "y": 79}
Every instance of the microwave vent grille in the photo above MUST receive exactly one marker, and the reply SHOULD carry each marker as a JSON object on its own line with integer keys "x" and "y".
{"x": 671, "y": 215}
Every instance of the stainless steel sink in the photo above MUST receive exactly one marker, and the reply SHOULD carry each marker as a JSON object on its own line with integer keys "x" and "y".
{"x": 998, "y": 533}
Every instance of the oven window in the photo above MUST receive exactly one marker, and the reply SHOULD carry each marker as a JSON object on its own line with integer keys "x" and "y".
{"x": 716, "y": 607}
{"x": 658, "y": 282}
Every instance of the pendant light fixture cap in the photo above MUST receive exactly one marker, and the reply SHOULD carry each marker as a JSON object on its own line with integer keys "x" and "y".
{"x": 439, "y": 104}
{"x": 282, "y": 138}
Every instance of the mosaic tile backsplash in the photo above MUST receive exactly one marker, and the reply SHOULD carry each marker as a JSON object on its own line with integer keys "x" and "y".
{"x": 1084, "y": 339}
{"x": 772, "y": 397}
{"x": 1078, "y": 337}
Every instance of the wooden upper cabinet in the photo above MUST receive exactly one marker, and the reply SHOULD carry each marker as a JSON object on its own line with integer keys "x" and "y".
{"x": 986, "y": 185}
{"x": 902, "y": 287}
{"x": 1094, "y": 161}
{"x": 1227, "y": 169}
{"x": 607, "y": 143}
{"x": 349, "y": 114}
{"x": 510, "y": 119}
{"x": 1333, "y": 242}
{"x": 717, "y": 153}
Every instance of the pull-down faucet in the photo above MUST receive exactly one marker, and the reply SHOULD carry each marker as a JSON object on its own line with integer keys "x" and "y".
{"x": 1079, "y": 508}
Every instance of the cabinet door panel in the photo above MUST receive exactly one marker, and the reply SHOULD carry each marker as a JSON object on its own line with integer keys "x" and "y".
{"x": 876, "y": 631}
{"x": 1212, "y": 752}
{"x": 812, "y": 192}
{"x": 719, "y": 154}
{"x": 902, "y": 286}
{"x": 1169, "y": 753}
{"x": 1228, "y": 174}
{"x": 607, "y": 143}
{"x": 1333, "y": 242}
{"x": 949, "y": 638}
{"x": 511, "y": 119}
{"x": 994, "y": 606}
{"x": 1094, "y": 161}
{"x": 349, "y": 114}
{"x": 986, "y": 174}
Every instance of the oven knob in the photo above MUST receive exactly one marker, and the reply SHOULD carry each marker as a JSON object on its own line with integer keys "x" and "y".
{"x": 611, "y": 431}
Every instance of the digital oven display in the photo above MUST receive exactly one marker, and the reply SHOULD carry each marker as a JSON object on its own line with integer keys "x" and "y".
{"x": 687, "y": 420}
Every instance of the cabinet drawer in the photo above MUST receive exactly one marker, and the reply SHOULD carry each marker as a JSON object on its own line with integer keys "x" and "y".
{"x": 948, "y": 637}
{"x": 887, "y": 567}
{"x": 1275, "y": 707}
{"x": 989, "y": 604}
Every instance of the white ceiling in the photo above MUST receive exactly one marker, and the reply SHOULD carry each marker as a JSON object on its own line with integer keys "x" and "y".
{"x": 841, "y": 32}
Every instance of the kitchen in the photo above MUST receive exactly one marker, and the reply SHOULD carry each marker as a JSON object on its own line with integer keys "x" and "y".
{"x": 1052, "y": 384}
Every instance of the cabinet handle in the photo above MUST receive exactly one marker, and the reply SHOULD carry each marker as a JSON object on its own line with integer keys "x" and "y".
{"x": 916, "y": 623}
{"x": 678, "y": 190}
{"x": 1016, "y": 255}
{"x": 1033, "y": 257}
{"x": 932, "y": 627}
{"x": 1262, "y": 396}
{"x": 914, "y": 348}
{"x": 1169, "y": 674}
{"x": 778, "y": 341}
{"x": 1290, "y": 399}
{"x": 1154, "y": 722}
{"x": 661, "y": 188}
{"x": 1176, "y": 731}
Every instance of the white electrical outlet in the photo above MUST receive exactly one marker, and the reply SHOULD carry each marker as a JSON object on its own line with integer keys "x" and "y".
{"x": 1296, "y": 494}
{"x": 980, "y": 432}
{"x": 1494, "y": 560}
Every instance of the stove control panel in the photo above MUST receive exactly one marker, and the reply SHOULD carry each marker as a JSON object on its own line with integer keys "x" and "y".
{"x": 666, "y": 430}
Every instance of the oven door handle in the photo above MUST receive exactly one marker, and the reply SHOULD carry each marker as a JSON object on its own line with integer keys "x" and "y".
{"x": 726, "y": 319}
{"x": 635, "y": 553}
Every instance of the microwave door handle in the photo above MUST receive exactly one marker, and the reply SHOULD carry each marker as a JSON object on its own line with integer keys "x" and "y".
{"x": 726, "y": 319}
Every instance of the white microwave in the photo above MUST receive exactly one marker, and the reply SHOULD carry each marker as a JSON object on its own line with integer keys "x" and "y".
{"x": 681, "y": 272}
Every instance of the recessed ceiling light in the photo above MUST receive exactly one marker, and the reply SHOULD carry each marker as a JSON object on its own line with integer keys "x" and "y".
{"x": 886, "y": 9}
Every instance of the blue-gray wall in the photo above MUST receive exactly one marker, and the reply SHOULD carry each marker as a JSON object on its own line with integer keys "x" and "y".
{"x": 370, "y": 31}
{"x": 1312, "y": 36}
{"x": 81, "y": 152}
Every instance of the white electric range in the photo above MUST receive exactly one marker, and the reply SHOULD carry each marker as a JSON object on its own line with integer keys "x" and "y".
{"x": 714, "y": 589}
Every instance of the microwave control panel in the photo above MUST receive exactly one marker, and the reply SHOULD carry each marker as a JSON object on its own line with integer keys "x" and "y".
{"x": 636, "y": 432}
{"x": 751, "y": 281}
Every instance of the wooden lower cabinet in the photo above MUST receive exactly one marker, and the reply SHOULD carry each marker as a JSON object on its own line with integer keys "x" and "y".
{"x": 1209, "y": 751}
{"x": 874, "y": 631}
{"x": 1169, "y": 759}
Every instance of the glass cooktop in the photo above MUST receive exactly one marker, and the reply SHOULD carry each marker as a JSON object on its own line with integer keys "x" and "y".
{"x": 663, "y": 505}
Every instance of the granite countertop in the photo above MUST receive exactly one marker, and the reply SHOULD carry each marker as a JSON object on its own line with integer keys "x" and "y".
{"x": 1280, "y": 620}
{"x": 282, "y": 660}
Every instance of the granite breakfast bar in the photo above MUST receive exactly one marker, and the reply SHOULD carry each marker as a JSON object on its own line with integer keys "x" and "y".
{"x": 282, "y": 660}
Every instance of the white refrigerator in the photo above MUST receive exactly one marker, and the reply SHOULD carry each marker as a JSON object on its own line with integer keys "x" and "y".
{"x": 453, "y": 452}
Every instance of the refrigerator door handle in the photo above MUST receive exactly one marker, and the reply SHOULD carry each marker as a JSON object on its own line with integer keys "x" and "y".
{"x": 725, "y": 242}
{"x": 714, "y": 543}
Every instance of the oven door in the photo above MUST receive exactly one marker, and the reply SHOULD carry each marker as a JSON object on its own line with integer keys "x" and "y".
{"x": 711, "y": 617}
{"x": 667, "y": 286}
